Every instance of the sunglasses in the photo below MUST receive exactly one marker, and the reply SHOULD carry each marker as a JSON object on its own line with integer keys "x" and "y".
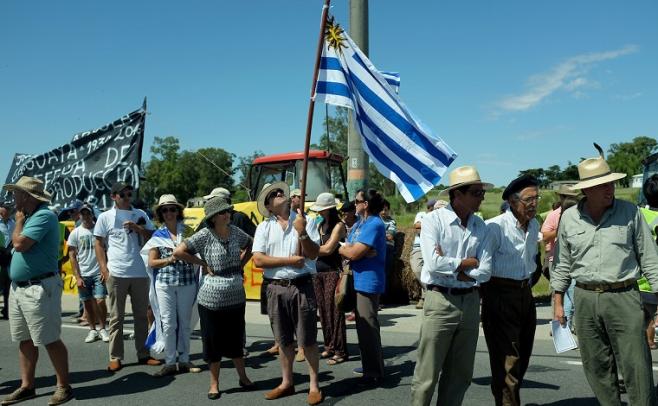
{"x": 169, "y": 210}
{"x": 357, "y": 201}
{"x": 477, "y": 193}
{"x": 125, "y": 194}
{"x": 223, "y": 211}
{"x": 275, "y": 193}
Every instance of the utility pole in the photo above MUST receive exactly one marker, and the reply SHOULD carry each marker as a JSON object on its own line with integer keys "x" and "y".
{"x": 357, "y": 163}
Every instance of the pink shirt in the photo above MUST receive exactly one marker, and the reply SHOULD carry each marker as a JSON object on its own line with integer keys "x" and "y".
{"x": 550, "y": 224}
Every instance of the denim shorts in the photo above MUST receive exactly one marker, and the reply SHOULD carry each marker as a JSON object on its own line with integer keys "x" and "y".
{"x": 94, "y": 288}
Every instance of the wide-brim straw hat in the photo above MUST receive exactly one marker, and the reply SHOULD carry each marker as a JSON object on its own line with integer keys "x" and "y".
{"x": 169, "y": 200}
{"x": 214, "y": 206}
{"x": 462, "y": 176}
{"x": 260, "y": 201}
{"x": 324, "y": 201}
{"x": 32, "y": 186}
{"x": 566, "y": 190}
{"x": 595, "y": 171}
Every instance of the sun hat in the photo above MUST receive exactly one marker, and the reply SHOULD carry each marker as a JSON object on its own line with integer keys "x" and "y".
{"x": 324, "y": 201}
{"x": 566, "y": 190}
{"x": 295, "y": 192}
{"x": 214, "y": 206}
{"x": 168, "y": 200}
{"x": 595, "y": 171}
{"x": 462, "y": 176}
{"x": 267, "y": 189}
{"x": 440, "y": 204}
{"x": 519, "y": 184}
{"x": 218, "y": 192}
{"x": 32, "y": 186}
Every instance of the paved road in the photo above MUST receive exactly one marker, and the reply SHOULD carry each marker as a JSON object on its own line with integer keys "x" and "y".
{"x": 551, "y": 379}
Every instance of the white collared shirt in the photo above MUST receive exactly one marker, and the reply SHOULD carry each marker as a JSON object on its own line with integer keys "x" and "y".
{"x": 272, "y": 240}
{"x": 513, "y": 250}
{"x": 442, "y": 228}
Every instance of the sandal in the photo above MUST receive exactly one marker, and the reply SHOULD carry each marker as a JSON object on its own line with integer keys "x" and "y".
{"x": 336, "y": 359}
{"x": 326, "y": 354}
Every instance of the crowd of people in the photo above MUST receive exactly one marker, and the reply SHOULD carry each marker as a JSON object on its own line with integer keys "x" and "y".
{"x": 601, "y": 259}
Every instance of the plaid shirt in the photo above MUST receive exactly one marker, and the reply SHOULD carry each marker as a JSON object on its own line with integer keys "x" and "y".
{"x": 179, "y": 273}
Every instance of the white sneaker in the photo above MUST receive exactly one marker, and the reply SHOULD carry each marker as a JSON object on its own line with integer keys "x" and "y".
{"x": 104, "y": 335}
{"x": 92, "y": 336}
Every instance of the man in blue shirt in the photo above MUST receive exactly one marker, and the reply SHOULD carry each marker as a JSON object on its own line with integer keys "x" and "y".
{"x": 36, "y": 290}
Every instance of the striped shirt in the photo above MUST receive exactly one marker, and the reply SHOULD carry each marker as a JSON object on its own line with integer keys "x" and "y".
{"x": 442, "y": 228}
{"x": 513, "y": 250}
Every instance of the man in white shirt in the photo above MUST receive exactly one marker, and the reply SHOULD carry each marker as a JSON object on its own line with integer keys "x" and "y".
{"x": 416, "y": 255}
{"x": 454, "y": 243}
{"x": 509, "y": 316}
{"x": 286, "y": 250}
{"x": 6, "y": 230}
{"x": 123, "y": 271}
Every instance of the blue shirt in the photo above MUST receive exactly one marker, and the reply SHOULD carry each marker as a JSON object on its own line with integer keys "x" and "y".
{"x": 370, "y": 272}
{"x": 42, "y": 227}
{"x": 6, "y": 229}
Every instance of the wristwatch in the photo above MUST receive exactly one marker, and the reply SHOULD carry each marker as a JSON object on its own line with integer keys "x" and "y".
{"x": 303, "y": 237}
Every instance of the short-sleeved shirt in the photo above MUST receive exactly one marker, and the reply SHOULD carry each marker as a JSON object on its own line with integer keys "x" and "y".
{"x": 83, "y": 240}
{"x": 224, "y": 289}
{"x": 178, "y": 273}
{"x": 123, "y": 247}
{"x": 274, "y": 241}
{"x": 550, "y": 224}
{"x": 42, "y": 227}
{"x": 513, "y": 250}
{"x": 419, "y": 218}
{"x": 370, "y": 272}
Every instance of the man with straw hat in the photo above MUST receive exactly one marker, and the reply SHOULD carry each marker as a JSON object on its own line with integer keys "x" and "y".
{"x": 509, "y": 316}
{"x": 605, "y": 245}
{"x": 286, "y": 249}
{"x": 457, "y": 260}
{"x": 35, "y": 308}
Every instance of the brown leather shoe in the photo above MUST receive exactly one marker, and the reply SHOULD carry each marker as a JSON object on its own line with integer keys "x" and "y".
{"x": 114, "y": 365}
{"x": 315, "y": 397}
{"x": 149, "y": 361}
{"x": 277, "y": 393}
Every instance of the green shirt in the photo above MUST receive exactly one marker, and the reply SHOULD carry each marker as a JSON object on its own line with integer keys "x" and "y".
{"x": 619, "y": 248}
{"x": 42, "y": 227}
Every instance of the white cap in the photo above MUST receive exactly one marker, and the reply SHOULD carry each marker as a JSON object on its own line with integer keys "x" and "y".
{"x": 218, "y": 192}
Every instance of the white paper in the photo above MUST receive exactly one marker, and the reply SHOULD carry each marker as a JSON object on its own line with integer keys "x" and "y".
{"x": 562, "y": 337}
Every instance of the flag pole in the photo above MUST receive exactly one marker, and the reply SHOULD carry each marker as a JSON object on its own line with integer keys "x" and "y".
{"x": 311, "y": 105}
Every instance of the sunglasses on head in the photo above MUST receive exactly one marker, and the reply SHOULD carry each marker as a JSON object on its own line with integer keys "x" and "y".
{"x": 169, "y": 210}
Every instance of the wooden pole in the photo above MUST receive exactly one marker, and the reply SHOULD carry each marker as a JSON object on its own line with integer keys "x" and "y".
{"x": 311, "y": 105}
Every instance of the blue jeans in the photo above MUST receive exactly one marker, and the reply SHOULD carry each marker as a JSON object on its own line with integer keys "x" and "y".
{"x": 94, "y": 288}
{"x": 569, "y": 307}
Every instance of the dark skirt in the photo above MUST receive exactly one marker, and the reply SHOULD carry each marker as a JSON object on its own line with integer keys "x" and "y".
{"x": 222, "y": 332}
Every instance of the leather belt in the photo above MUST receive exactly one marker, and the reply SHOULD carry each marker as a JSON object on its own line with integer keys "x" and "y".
{"x": 451, "y": 291}
{"x": 512, "y": 283}
{"x": 606, "y": 287}
{"x": 34, "y": 281}
{"x": 291, "y": 282}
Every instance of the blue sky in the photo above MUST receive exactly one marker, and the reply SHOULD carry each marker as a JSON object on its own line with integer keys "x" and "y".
{"x": 508, "y": 85}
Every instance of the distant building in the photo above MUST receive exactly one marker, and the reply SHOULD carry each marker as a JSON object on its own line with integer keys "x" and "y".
{"x": 636, "y": 182}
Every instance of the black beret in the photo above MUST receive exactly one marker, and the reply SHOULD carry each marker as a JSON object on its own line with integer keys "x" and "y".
{"x": 519, "y": 184}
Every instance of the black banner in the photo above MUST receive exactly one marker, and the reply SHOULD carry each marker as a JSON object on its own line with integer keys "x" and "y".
{"x": 87, "y": 168}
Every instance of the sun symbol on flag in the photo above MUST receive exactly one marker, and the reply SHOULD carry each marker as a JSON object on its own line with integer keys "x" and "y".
{"x": 334, "y": 35}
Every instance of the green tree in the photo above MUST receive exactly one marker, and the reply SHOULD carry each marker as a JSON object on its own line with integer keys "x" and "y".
{"x": 539, "y": 174}
{"x": 626, "y": 157}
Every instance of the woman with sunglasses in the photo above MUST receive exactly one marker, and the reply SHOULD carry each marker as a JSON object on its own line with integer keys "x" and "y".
{"x": 366, "y": 250}
{"x": 174, "y": 284}
{"x": 223, "y": 250}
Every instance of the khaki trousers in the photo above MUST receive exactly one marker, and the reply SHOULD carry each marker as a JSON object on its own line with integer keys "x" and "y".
{"x": 448, "y": 339}
{"x": 611, "y": 336}
{"x": 118, "y": 290}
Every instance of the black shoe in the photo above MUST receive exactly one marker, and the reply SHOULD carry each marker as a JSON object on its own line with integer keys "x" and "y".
{"x": 214, "y": 395}
{"x": 247, "y": 386}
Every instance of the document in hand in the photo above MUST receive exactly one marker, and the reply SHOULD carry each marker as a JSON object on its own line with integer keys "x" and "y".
{"x": 562, "y": 337}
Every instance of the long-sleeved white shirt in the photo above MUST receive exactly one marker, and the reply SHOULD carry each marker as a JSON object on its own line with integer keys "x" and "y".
{"x": 442, "y": 228}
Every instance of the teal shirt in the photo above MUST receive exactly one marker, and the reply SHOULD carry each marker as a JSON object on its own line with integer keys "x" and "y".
{"x": 42, "y": 227}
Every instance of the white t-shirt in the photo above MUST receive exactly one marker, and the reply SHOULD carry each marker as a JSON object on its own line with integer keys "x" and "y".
{"x": 123, "y": 258}
{"x": 419, "y": 217}
{"x": 83, "y": 240}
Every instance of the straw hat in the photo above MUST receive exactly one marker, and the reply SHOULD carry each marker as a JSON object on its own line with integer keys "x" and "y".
{"x": 32, "y": 186}
{"x": 462, "y": 176}
{"x": 566, "y": 190}
{"x": 260, "y": 201}
{"x": 595, "y": 171}
{"x": 214, "y": 206}
{"x": 324, "y": 201}
{"x": 295, "y": 192}
{"x": 218, "y": 192}
{"x": 169, "y": 200}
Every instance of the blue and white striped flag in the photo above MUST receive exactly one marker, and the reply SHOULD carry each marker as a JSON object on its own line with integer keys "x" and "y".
{"x": 393, "y": 80}
{"x": 398, "y": 145}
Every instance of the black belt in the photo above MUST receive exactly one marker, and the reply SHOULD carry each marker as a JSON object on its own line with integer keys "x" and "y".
{"x": 34, "y": 281}
{"x": 291, "y": 282}
{"x": 606, "y": 287}
{"x": 512, "y": 283}
{"x": 451, "y": 291}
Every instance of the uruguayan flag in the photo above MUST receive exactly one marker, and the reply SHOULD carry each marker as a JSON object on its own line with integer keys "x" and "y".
{"x": 395, "y": 141}
{"x": 393, "y": 80}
